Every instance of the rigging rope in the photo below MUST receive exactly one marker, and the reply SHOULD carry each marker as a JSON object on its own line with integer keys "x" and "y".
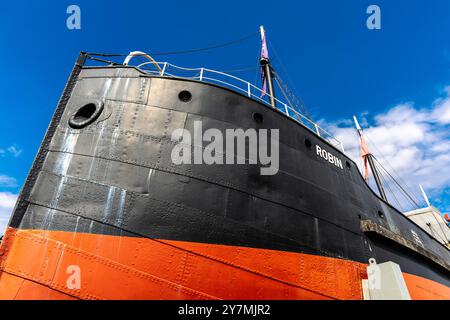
{"x": 102, "y": 60}
{"x": 282, "y": 91}
{"x": 297, "y": 105}
{"x": 411, "y": 193}
{"x": 222, "y": 45}
{"x": 391, "y": 192}
{"x": 216, "y": 46}
{"x": 293, "y": 93}
{"x": 383, "y": 177}
{"x": 397, "y": 183}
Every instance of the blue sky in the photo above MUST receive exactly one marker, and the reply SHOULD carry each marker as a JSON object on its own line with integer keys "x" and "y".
{"x": 335, "y": 64}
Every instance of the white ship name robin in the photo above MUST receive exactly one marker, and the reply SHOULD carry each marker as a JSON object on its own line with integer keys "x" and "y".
{"x": 328, "y": 156}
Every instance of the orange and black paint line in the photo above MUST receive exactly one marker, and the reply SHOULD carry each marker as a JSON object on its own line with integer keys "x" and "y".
{"x": 105, "y": 197}
{"x": 163, "y": 269}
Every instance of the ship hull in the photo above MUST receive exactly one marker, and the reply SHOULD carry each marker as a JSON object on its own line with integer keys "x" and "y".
{"x": 175, "y": 270}
{"x": 108, "y": 199}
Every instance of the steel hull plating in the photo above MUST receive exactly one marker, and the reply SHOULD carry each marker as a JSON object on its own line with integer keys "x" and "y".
{"x": 108, "y": 199}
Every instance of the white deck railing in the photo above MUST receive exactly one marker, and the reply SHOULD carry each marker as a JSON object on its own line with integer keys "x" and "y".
{"x": 166, "y": 69}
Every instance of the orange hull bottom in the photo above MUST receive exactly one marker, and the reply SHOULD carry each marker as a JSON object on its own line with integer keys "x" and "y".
{"x": 38, "y": 264}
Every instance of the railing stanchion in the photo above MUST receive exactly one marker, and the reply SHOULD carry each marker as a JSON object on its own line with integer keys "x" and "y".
{"x": 245, "y": 88}
{"x": 287, "y": 109}
{"x": 164, "y": 69}
{"x": 317, "y": 129}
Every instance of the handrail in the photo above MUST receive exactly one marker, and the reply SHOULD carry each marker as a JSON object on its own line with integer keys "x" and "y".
{"x": 143, "y": 54}
{"x": 252, "y": 91}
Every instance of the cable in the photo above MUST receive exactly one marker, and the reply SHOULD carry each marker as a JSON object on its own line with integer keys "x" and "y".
{"x": 391, "y": 191}
{"x": 299, "y": 106}
{"x": 392, "y": 168}
{"x": 384, "y": 180}
{"x": 257, "y": 73}
{"x": 293, "y": 94}
{"x": 402, "y": 208}
{"x": 398, "y": 184}
{"x": 225, "y": 44}
{"x": 404, "y": 192}
{"x": 446, "y": 240}
{"x": 102, "y": 60}
{"x": 106, "y": 54}
{"x": 238, "y": 70}
{"x": 282, "y": 91}
{"x": 221, "y": 45}
{"x": 436, "y": 234}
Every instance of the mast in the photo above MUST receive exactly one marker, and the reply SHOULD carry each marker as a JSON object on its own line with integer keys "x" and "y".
{"x": 266, "y": 67}
{"x": 367, "y": 156}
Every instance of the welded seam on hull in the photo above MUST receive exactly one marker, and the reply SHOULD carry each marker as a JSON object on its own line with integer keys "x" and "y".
{"x": 97, "y": 259}
{"x": 7, "y": 243}
{"x": 226, "y": 262}
{"x": 44, "y": 205}
{"x": 143, "y": 235}
{"x": 219, "y": 182}
{"x": 170, "y": 170}
{"x": 63, "y": 127}
{"x": 24, "y": 278}
{"x": 259, "y": 104}
{"x": 237, "y": 223}
{"x": 205, "y": 179}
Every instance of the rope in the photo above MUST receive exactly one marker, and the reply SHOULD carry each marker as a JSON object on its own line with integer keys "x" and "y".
{"x": 284, "y": 94}
{"x": 102, "y": 60}
{"x": 238, "y": 70}
{"x": 392, "y": 169}
{"x": 216, "y": 46}
{"x": 398, "y": 184}
{"x": 298, "y": 105}
{"x": 297, "y": 101}
{"x": 222, "y": 45}
{"x": 391, "y": 192}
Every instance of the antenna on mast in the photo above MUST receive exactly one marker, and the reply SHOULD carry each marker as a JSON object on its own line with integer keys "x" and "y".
{"x": 424, "y": 195}
{"x": 368, "y": 160}
{"x": 266, "y": 68}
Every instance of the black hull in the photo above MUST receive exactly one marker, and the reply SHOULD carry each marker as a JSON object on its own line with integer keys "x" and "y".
{"x": 116, "y": 177}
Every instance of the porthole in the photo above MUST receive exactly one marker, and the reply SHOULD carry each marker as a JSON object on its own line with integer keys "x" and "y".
{"x": 258, "y": 117}
{"x": 86, "y": 115}
{"x": 380, "y": 214}
{"x": 185, "y": 96}
{"x": 308, "y": 143}
{"x": 347, "y": 164}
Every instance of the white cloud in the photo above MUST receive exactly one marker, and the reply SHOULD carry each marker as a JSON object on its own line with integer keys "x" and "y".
{"x": 441, "y": 112}
{"x": 8, "y": 182}
{"x": 414, "y": 141}
{"x": 13, "y": 150}
{"x": 7, "y": 203}
{"x": 7, "y": 199}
